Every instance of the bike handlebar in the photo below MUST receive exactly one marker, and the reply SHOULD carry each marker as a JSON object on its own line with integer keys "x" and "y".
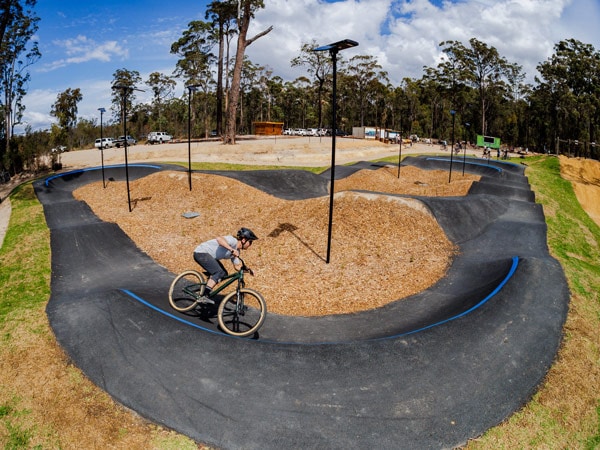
{"x": 244, "y": 267}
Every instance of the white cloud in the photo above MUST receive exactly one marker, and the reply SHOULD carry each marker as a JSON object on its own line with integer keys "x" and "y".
{"x": 405, "y": 35}
{"x": 83, "y": 49}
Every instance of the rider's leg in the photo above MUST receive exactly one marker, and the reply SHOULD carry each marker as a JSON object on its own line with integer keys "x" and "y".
{"x": 213, "y": 267}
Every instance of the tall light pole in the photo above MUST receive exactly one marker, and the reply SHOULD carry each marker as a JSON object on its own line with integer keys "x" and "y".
{"x": 125, "y": 89}
{"x": 191, "y": 88}
{"x": 467, "y": 125}
{"x": 102, "y": 111}
{"x": 400, "y": 149}
{"x": 333, "y": 51}
{"x": 453, "y": 113}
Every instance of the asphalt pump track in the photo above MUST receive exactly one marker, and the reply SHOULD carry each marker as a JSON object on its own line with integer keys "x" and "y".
{"x": 430, "y": 371}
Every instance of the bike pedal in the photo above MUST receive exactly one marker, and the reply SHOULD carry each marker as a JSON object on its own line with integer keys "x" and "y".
{"x": 207, "y": 301}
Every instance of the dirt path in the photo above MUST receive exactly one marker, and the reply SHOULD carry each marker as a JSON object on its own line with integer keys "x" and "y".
{"x": 281, "y": 151}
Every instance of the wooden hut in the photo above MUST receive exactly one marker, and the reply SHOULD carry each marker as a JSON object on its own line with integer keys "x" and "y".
{"x": 268, "y": 128}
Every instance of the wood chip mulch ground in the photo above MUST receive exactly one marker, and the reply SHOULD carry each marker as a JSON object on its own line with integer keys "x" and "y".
{"x": 382, "y": 248}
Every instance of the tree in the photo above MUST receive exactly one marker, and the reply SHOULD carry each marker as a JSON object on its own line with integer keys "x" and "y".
{"x": 319, "y": 66}
{"x": 18, "y": 26}
{"x": 162, "y": 87}
{"x": 365, "y": 73}
{"x": 194, "y": 48}
{"x": 222, "y": 14}
{"x": 570, "y": 79}
{"x": 124, "y": 86}
{"x": 246, "y": 9}
{"x": 65, "y": 110}
{"x": 480, "y": 67}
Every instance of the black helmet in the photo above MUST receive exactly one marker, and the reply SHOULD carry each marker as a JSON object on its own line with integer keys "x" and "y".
{"x": 246, "y": 233}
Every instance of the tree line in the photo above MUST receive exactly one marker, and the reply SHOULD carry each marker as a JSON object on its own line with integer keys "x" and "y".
{"x": 473, "y": 91}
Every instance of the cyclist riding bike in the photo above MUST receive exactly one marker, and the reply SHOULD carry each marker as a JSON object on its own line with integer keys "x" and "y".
{"x": 208, "y": 255}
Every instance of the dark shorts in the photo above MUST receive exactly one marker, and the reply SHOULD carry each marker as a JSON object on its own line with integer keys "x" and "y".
{"x": 214, "y": 267}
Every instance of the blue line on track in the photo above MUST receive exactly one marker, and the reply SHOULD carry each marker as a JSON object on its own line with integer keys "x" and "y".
{"x": 89, "y": 169}
{"x": 511, "y": 272}
{"x": 466, "y": 162}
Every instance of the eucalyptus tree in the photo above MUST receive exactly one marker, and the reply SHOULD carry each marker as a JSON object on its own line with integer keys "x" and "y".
{"x": 571, "y": 78}
{"x": 196, "y": 59}
{"x": 246, "y": 10}
{"x": 163, "y": 88}
{"x": 319, "y": 66}
{"x": 303, "y": 102}
{"x": 125, "y": 84}
{"x": 268, "y": 87}
{"x": 365, "y": 75}
{"x": 222, "y": 15}
{"x": 18, "y": 51}
{"x": 514, "y": 114}
{"x": 65, "y": 110}
{"x": 252, "y": 97}
{"x": 204, "y": 96}
{"x": 273, "y": 92}
{"x": 435, "y": 107}
{"x": 291, "y": 97}
{"x": 480, "y": 67}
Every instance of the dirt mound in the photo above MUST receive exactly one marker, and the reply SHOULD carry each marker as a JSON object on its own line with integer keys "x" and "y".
{"x": 585, "y": 176}
{"x": 374, "y": 260}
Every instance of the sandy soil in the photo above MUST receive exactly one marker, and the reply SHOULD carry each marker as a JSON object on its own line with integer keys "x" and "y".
{"x": 5, "y": 211}
{"x": 584, "y": 174}
{"x": 282, "y": 151}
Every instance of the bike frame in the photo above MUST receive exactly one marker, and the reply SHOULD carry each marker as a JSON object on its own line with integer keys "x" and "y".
{"x": 229, "y": 279}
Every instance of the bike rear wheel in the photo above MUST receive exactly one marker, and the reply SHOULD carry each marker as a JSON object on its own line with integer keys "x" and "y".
{"x": 186, "y": 290}
{"x": 242, "y": 312}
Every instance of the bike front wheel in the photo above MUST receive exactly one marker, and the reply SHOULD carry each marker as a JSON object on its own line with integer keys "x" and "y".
{"x": 242, "y": 312}
{"x": 186, "y": 290}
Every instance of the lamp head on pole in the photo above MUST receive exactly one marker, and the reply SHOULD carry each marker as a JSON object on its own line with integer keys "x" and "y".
{"x": 126, "y": 88}
{"x": 102, "y": 110}
{"x": 192, "y": 87}
{"x": 336, "y": 46}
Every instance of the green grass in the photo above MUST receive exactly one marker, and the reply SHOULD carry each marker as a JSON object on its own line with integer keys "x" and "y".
{"x": 573, "y": 237}
{"x": 25, "y": 256}
{"x": 25, "y": 281}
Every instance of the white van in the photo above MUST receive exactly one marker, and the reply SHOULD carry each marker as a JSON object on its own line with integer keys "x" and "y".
{"x": 104, "y": 143}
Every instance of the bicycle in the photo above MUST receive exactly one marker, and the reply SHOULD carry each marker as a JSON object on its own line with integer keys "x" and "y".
{"x": 240, "y": 313}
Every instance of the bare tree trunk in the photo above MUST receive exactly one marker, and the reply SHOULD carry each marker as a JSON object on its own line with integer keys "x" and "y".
{"x": 234, "y": 94}
{"x": 234, "y": 91}
{"x": 220, "y": 81}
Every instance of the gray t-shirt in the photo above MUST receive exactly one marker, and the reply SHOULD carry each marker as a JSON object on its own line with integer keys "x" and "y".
{"x": 213, "y": 248}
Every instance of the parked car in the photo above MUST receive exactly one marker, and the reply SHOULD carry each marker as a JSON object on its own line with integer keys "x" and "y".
{"x": 159, "y": 137}
{"x": 104, "y": 143}
{"x": 338, "y": 132}
{"x": 121, "y": 141}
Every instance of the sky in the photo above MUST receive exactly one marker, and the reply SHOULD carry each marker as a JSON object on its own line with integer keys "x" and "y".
{"x": 84, "y": 42}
